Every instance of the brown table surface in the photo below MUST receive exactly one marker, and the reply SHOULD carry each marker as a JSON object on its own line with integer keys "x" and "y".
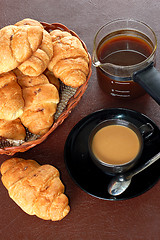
{"x": 90, "y": 217}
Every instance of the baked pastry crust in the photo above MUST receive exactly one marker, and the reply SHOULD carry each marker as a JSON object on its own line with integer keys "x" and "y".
{"x": 39, "y": 60}
{"x": 12, "y": 129}
{"x": 12, "y": 51}
{"x": 40, "y": 102}
{"x": 37, "y": 189}
{"x": 29, "y": 81}
{"x": 40, "y": 106}
{"x": 40, "y": 94}
{"x": 29, "y": 21}
{"x": 39, "y": 121}
{"x": 70, "y": 60}
{"x": 11, "y": 101}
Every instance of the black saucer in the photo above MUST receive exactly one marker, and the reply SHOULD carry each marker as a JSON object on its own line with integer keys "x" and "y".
{"x": 88, "y": 176}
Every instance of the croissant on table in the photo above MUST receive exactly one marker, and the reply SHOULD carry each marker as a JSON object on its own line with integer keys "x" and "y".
{"x": 37, "y": 189}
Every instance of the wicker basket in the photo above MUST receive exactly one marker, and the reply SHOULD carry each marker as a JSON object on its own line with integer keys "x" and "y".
{"x": 66, "y": 110}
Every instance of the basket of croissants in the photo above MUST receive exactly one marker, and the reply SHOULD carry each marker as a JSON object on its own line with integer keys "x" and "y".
{"x": 44, "y": 71}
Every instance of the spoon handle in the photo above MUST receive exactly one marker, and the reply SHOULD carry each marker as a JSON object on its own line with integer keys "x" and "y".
{"x": 144, "y": 166}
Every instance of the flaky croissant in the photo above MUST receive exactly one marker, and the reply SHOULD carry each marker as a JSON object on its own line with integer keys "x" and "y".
{"x": 38, "y": 62}
{"x": 37, "y": 189}
{"x": 12, "y": 129}
{"x": 11, "y": 100}
{"x": 12, "y": 51}
{"x": 70, "y": 60}
{"x": 40, "y": 102}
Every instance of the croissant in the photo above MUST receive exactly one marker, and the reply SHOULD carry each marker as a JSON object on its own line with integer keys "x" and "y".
{"x": 12, "y": 51}
{"x": 37, "y": 189}
{"x": 12, "y": 129}
{"x": 39, "y": 60}
{"x": 40, "y": 102}
{"x": 29, "y": 81}
{"x": 70, "y": 60}
{"x": 29, "y": 21}
{"x": 11, "y": 100}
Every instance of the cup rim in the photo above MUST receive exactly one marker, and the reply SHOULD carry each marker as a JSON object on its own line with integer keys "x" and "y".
{"x": 118, "y": 121}
{"x": 130, "y": 66}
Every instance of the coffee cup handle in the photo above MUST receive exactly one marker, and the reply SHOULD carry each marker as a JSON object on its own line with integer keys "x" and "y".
{"x": 149, "y": 79}
{"x": 146, "y": 130}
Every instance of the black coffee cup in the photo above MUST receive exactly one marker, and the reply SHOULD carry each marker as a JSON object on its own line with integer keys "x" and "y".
{"x": 142, "y": 133}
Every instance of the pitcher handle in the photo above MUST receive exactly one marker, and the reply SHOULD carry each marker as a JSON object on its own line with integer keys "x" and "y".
{"x": 149, "y": 79}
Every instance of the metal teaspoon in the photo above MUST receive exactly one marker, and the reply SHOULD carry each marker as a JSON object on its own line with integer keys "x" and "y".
{"x": 121, "y": 182}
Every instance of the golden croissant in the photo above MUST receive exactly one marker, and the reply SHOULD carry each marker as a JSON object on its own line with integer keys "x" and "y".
{"x": 11, "y": 100}
{"x": 40, "y": 102}
{"x": 70, "y": 60}
{"x": 39, "y": 60}
{"x": 37, "y": 189}
{"x": 12, "y": 129}
{"x": 12, "y": 51}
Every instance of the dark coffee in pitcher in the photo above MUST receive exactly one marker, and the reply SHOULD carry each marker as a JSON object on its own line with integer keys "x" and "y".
{"x": 122, "y": 48}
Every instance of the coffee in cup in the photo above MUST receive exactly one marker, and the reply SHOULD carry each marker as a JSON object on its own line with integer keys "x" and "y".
{"x": 116, "y": 145}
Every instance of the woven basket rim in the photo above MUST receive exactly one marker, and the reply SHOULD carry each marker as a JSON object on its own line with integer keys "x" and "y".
{"x": 73, "y": 101}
